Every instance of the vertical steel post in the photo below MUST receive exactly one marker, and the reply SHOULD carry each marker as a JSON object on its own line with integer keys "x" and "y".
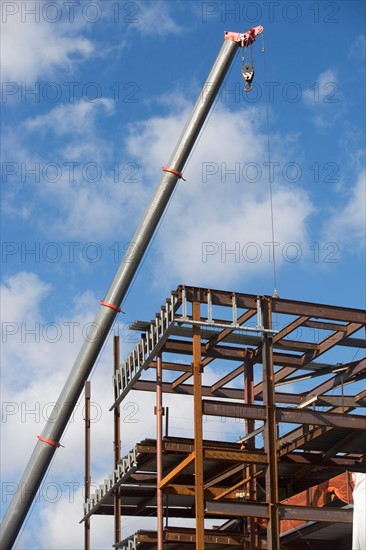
{"x": 117, "y": 446}
{"x": 250, "y": 444}
{"x": 99, "y": 330}
{"x": 159, "y": 450}
{"x": 270, "y": 435}
{"x": 87, "y": 462}
{"x": 198, "y": 433}
{"x": 166, "y": 413}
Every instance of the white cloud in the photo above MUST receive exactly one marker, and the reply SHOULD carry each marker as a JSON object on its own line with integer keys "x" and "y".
{"x": 89, "y": 189}
{"x": 72, "y": 118}
{"x": 358, "y": 48}
{"x": 322, "y": 90}
{"x": 33, "y": 49}
{"x": 154, "y": 18}
{"x": 324, "y": 99}
{"x": 347, "y": 225}
{"x": 34, "y": 370}
{"x": 21, "y": 295}
{"x": 218, "y": 206}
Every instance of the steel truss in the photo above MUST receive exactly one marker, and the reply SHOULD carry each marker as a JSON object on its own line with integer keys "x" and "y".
{"x": 249, "y": 486}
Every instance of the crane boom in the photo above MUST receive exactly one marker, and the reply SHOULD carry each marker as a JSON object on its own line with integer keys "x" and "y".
{"x": 49, "y": 440}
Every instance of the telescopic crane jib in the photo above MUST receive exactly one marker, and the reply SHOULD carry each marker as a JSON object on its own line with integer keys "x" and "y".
{"x": 48, "y": 441}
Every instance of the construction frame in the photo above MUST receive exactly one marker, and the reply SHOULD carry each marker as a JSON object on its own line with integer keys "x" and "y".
{"x": 271, "y": 487}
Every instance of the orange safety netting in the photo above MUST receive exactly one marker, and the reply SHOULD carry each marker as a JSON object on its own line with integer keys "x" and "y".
{"x": 340, "y": 487}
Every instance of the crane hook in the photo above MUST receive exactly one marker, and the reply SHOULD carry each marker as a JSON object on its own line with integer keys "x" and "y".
{"x": 248, "y": 75}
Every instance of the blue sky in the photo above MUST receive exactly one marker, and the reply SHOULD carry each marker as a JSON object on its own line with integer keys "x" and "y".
{"x": 94, "y": 97}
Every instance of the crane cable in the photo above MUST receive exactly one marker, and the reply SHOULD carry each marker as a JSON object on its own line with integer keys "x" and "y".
{"x": 275, "y": 293}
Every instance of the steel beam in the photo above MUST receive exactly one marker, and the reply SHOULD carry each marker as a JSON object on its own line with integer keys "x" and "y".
{"x": 87, "y": 479}
{"x": 214, "y": 340}
{"x": 238, "y": 509}
{"x": 159, "y": 452}
{"x": 280, "y": 305}
{"x": 319, "y": 311}
{"x": 286, "y": 511}
{"x": 117, "y": 446}
{"x": 176, "y": 471}
{"x": 287, "y": 415}
{"x": 198, "y": 430}
{"x": 312, "y": 513}
{"x": 233, "y": 393}
{"x": 249, "y": 427}
{"x": 270, "y": 430}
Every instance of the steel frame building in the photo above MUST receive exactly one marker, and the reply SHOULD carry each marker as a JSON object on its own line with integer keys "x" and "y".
{"x": 250, "y": 483}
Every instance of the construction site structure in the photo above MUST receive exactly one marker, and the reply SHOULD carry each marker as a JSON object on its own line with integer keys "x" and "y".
{"x": 287, "y": 482}
{"x": 54, "y": 428}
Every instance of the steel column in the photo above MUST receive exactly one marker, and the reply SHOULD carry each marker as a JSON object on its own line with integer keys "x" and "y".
{"x": 87, "y": 479}
{"x": 159, "y": 451}
{"x": 56, "y": 424}
{"x": 198, "y": 433}
{"x": 117, "y": 447}
{"x": 270, "y": 430}
{"x": 250, "y": 445}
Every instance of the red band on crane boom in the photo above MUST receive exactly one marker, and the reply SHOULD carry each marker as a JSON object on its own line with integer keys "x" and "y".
{"x": 49, "y": 441}
{"x": 112, "y": 306}
{"x": 175, "y": 172}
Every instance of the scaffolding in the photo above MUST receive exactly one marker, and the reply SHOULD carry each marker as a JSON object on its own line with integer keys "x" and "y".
{"x": 263, "y": 489}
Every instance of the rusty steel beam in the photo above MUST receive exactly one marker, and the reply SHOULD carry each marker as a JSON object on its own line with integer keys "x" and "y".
{"x": 117, "y": 446}
{"x": 249, "y": 478}
{"x": 321, "y": 372}
{"x": 211, "y": 493}
{"x": 319, "y": 311}
{"x": 249, "y": 427}
{"x": 233, "y": 393}
{"x": 249, "y": 457}
{"x": 218, "y": 538}
{"x": 232, "y": 353}
{"x": 229, "y": 452}
{"x": 215, "y": 339}
{"x": 177, "y": 470}
{"x": 218, "y": 297}
{"x": 87, "y": 480}
{"x": 238, "y": 509}
{"x": 174, "y": 366}
{"x": 298, "y": 437}
{"x": 218, "y": 478}
{"x": 319, "y": 460}
{"x": 198, "y": 430}
{"x": 227, "y": 378}
{"x": 334, "y": 449}
{"x": 280, "y": 305}
{"x": 290, "y": 328}
{"x": 249, "y": 356}
{"x": 226, "y": 332}
{"x": 323, "y": 325}
{"x": 283, "y": 414}
{"x": 313, "y": 513}
{"x": 270, "y": 430}
{"x": 286, "y": 511}
{"x": 229, "y": 353}
{"x": 331, "y": 341}
{"x": 183, "y": 535}
{"x": 354, "y": 369}
{"x": 159, "y": 452}
{"x": 281, "y": 374}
